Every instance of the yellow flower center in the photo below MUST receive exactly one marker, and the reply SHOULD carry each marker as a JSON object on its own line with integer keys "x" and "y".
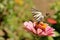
{"x": 41, "y": 25}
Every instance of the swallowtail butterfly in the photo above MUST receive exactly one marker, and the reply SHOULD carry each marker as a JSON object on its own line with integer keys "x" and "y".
{"x": 37, "y": 15}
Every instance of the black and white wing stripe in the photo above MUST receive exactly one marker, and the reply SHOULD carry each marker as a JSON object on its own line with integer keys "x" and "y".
{"x": 37, "y": 15}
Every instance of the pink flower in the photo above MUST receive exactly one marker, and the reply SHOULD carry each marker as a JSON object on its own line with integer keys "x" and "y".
{"x": 41, "y": 29}
{"x": 52, "y": 21}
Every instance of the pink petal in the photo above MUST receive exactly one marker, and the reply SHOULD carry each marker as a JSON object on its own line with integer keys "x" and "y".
{"x": 27, "y": 25}
{"x": 50, "y": 29}
{"x": 43, "y": 33}
{"x": 52, "y": 34}
{"x": 32, "y": 26}
{"x": 34, "y": 31}
{"x": 39, "y": 31}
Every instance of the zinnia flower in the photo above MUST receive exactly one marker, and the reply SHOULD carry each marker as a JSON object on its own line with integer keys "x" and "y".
{"x": 51, "y": 21}
{"x": 41, "y": 29}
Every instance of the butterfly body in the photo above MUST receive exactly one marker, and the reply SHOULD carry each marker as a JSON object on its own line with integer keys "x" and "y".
{"x": 39, "y": 19}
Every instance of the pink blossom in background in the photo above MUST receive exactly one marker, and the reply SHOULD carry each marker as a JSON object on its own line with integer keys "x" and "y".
{"x": 41, "y": 29}
{"x": 52, "y": 21}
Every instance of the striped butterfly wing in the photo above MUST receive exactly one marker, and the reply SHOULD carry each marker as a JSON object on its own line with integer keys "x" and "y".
{"x": 37, "y": 15}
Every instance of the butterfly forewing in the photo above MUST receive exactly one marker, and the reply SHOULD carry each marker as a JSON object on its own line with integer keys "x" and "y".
{"x": 37, "y": 15}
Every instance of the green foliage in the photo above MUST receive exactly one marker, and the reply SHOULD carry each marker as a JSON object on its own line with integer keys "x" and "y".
{"x": 13, "y": 15}
{"x": 56, "y": 16}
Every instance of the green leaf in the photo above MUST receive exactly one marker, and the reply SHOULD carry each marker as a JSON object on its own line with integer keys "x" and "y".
{"x": 56, "y": 34}
{"x": 50, "y": 38}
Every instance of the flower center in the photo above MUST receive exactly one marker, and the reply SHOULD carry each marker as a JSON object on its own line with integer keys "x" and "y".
{"x": 41, "y": 25}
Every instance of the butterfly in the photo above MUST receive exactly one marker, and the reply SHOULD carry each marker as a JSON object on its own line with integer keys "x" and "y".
{"x": 37, "y": 15}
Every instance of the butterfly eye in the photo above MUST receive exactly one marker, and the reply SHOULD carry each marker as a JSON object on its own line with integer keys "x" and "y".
{"x": 47, "y": 14}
